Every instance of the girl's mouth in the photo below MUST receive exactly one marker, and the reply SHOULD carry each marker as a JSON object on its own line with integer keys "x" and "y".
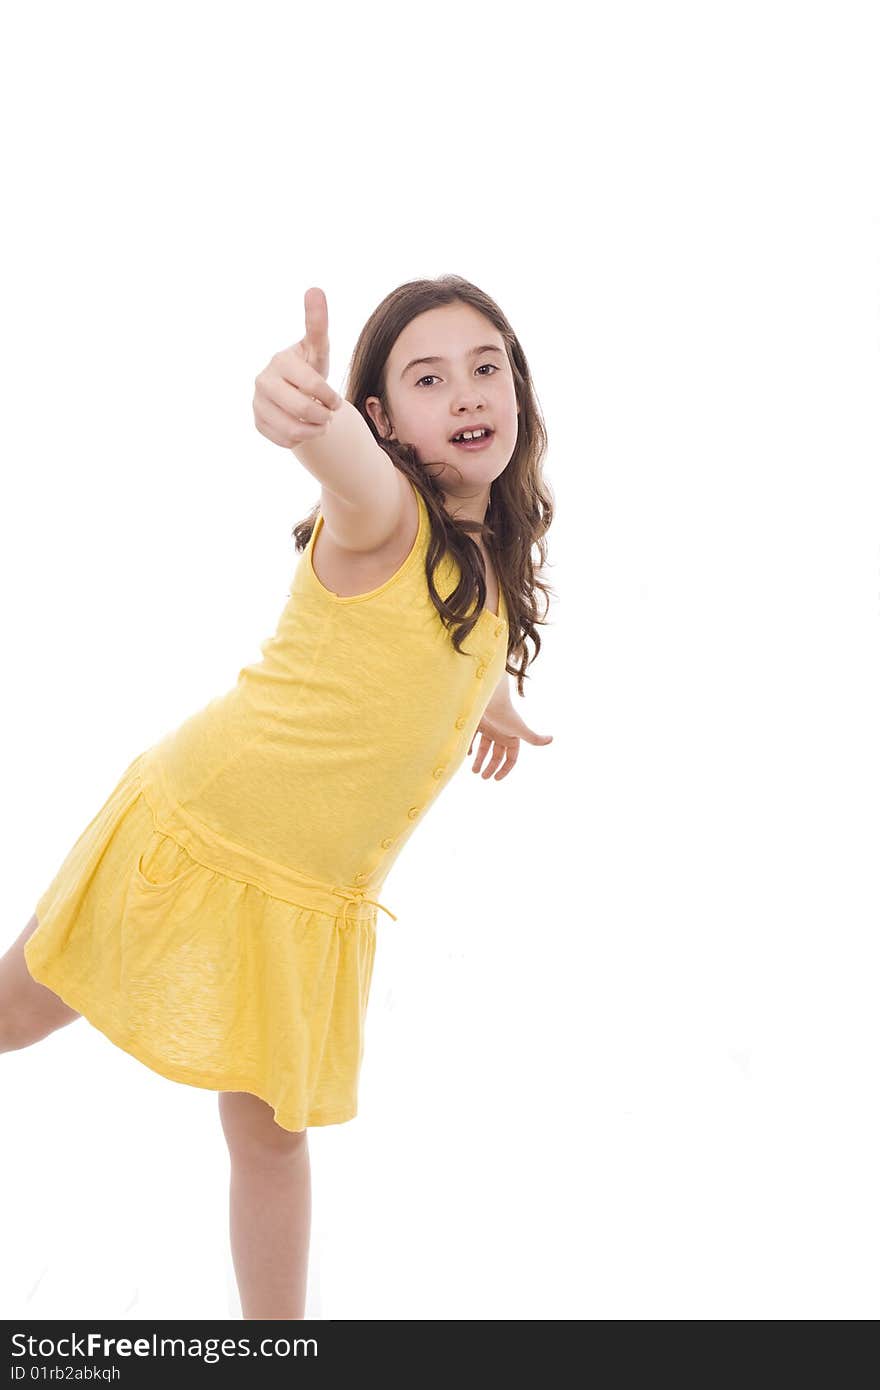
{"x": 475, "y": 444}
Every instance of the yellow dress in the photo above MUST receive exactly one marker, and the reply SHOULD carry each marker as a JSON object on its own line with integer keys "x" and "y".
{"x": 217, "y": 917}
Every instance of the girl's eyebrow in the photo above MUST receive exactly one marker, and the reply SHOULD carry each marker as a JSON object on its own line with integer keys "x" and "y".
{"x": 474, "y": 352}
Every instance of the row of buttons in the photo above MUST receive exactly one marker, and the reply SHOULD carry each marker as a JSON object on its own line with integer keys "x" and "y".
{"x": 460, "y": 722}
{"x": 481, "y": 669}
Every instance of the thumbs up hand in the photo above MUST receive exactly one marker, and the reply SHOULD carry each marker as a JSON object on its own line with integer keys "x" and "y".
{"x": 293, "y": 401}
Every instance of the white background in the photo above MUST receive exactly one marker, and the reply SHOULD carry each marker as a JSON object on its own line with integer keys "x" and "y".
{"x": 622, "y": 1046}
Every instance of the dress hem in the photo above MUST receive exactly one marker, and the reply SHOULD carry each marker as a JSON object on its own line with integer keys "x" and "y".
{"x": 43, "y": 974}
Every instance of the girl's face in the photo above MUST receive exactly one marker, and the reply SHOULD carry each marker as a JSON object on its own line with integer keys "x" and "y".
{"x": 430, "y": 401}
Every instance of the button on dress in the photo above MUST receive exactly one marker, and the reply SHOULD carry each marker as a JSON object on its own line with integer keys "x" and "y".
{"x": 217, "y": 917}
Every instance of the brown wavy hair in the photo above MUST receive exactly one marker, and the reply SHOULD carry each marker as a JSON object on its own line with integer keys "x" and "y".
{"x": 521, "y": 504}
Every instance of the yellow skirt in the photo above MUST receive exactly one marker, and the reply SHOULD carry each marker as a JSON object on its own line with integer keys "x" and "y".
{"x": 205, "y": 978}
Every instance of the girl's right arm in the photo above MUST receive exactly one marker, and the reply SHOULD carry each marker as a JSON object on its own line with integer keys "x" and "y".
{"x": 295, "y": 407}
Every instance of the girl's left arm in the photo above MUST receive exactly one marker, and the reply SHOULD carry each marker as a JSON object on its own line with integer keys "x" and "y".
{"x": 500, "y": 697}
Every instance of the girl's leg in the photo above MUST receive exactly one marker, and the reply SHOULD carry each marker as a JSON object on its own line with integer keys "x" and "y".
{"x": 28, "y": 1010}
{"x": 270, "y": 1207}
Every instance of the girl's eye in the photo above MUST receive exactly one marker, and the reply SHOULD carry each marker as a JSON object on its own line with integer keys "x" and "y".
{"x": 430, "y": 377}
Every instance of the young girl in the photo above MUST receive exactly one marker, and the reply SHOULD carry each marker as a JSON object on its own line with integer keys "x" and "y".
{"x": 217, "y": 917}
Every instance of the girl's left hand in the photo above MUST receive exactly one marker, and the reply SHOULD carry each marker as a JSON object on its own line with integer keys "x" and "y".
{"x": 504, "y": 729}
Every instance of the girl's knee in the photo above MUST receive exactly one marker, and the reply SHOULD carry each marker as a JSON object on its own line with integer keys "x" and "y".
{"x": 251, "y": 1130}
{"x": 22, "y": 1027}
{"x": 29, "y": 1010}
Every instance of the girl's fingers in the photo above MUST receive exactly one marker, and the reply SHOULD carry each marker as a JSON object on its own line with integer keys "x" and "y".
{"x": 512, "y": 752}
{"x": 280, "y": 427}
{"x": 504, "y": 752}
{"x": 498, "y": 752}
{"x": 296, "y": 402}
{"x": 485, "y": 745}
{"x": 291, "y": 367}
{"x": 506, "y": 768}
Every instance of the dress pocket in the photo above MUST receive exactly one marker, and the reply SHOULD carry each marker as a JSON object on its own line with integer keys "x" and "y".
{"x": 163, "y": 865}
